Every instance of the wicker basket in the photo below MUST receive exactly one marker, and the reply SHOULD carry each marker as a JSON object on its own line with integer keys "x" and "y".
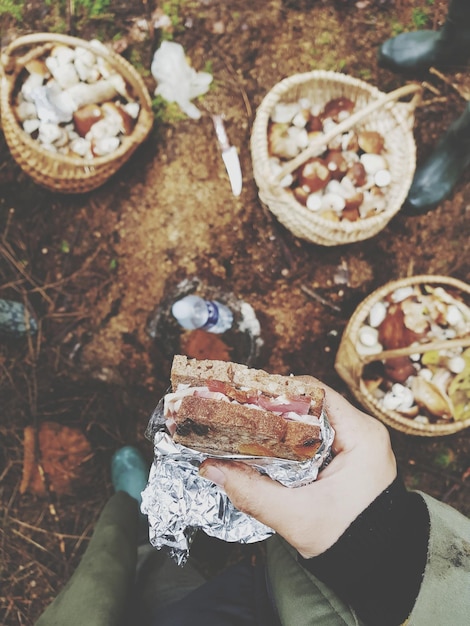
{"x": 67, "y": 174}
{"x": 374, "y": 111}
{"x": 350, "y": 364}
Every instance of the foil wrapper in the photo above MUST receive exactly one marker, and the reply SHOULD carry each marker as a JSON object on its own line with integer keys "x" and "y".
{"x": 179, "y": 502}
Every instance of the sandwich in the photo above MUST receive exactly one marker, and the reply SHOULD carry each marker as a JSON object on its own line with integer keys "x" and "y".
{"x": 225, "y": 408}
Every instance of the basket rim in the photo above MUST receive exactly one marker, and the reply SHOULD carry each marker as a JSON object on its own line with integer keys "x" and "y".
{"x": 143, "y": 122}
{"x": 393, "y": 418}
{"x": 260, "y": 153}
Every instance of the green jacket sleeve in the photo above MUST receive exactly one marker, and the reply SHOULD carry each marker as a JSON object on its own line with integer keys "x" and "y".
{"x": 99, "y": 590}
{"x": 444, "y": 596}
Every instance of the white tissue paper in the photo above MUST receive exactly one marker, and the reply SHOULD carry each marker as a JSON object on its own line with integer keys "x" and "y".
{"x": 177, "y": 80}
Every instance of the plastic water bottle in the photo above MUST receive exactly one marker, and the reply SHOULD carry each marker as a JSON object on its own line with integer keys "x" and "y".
{"x": 193, "y": 312}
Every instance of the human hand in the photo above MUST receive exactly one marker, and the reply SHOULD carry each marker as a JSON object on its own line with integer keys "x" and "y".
{"x": 313, "y": 517}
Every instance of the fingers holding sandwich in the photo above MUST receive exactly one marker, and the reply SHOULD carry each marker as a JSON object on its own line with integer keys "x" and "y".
{"x": 255, "y": 494}
{"x": 313, "y": 517}
{"x": 302, "y": 516}
{"x": 250, "y": 491}
{"x": 351, "y": 425}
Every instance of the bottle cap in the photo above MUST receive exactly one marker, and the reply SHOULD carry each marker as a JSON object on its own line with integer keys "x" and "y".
{"x": 181, "y": 309}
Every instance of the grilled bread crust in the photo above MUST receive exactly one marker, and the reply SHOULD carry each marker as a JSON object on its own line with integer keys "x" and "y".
{"x": 195, "y": 372}
{"x": 218, "y": 427}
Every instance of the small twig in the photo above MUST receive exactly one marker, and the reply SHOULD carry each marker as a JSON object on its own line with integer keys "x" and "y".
{"x": 29, "y": 540}
{"x": 463, "y": 94}
{"x": 230, "y": 68}
{"x": 70, "y": 17}
{"x": 47, "y": 532}
{"x": 427, "y": 103}
{"x": 316, "y": 296}
{"x": 52, "y": 509}
{"x": 432, "y": 88}
{"x": 11, "y": 259}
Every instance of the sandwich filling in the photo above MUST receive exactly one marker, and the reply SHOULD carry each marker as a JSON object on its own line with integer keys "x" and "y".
{"x": 292, "y": 408}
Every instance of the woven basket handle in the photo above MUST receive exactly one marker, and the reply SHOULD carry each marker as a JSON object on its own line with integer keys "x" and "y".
{"x": 9, "y": 61}
{"x": 12, "y": 64}
{"x": 318, "y": 145}
{"x": 445, "y": 344}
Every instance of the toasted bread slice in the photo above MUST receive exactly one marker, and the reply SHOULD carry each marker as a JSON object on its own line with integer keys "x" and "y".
{"x": 194, "y": 372}
{"x": 217, "y": 427}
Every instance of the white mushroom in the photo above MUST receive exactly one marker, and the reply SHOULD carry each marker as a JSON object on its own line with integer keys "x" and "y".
{"x": 382, "y": 178}
{"x": 50, "y": 133}
{"x": 425, "y": 373}
{"x": 62, "y": 54}
{"x": 373, "y": 163}
{"x": 314, "y": 201}
{"x": 377, "y": 314}
{"x": 64, "y": 73}
{"x": 287, "y": 180}
{"x": 284, "y": 113}
{"x": 30, "y": 126}
{"x": 26, "y": 111}
{"x": 299, "y": 136}
{"x": 401, "y": 293}
{"x": 132, "y": 109}
{"x": 368, "y": 336}
{"x": 399, "y": 398}
{"x": 454, "y": 315}
{"x": 332, "y": 201}
{"x": 84, "y": 93}
{"x": 456, "y": 364}
{"x": 30, "y": 85}
{"x": 300, "y": 119}
{"x": 81, "y": 147}
{"x": 105, "y": 146}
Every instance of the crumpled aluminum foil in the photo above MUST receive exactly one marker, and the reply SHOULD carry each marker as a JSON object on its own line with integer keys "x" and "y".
{"x": 179, "y": 502}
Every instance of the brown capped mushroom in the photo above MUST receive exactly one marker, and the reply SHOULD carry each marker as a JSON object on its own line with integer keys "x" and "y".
{"x": 354, "y": 201}
{"x": 371, "y": 141}
{"x": 85, "y": 117}
{"x": 337, "y": 164}
{"x": 392, "y": 331}
{"x": 399, "y": 369}
{"x": 314, "y": 124}
{"x": 351, "y": 213}
{"x": 314, "y": 174}
{"x": 301, "y": 194}
{"x": 338, "y": 109}
{"x": 357, "y": 174}
{"x": 113, "y": 110}
{"x": 280, "y": 143}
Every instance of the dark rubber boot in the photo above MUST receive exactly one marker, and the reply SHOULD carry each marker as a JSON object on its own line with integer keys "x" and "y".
{"x": 434, "y": 180}
{"x": 418, "y": 51}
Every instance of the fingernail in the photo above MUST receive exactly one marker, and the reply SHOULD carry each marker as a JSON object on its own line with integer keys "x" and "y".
{"x": 213, "y": 474}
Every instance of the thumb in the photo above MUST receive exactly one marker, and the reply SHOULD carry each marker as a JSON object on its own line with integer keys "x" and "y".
{"x": 248, "y": 490}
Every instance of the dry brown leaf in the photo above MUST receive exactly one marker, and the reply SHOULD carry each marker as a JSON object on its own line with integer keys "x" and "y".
{"x": 52, "y": 455}
{"x": 200, "y": 344}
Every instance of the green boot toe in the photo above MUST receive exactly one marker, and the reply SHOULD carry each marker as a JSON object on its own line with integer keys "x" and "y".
{"x": 409, "y": 52}
{"x": 418, "y": 51}
{"x": 434, "y": 181}
{"x": 129, "y": 472}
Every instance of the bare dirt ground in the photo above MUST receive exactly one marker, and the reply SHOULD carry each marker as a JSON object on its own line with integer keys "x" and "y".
{"x": 95, "y": 267}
